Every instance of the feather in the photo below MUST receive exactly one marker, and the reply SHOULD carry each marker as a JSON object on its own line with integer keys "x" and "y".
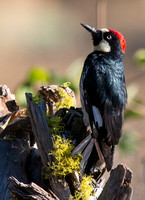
{"x": 80, "y": 148}
{"x": 97, "y": 116}
{"x": 108, "y": 152}
{"x": 86, "y": 154}
{"x": 113, "y": 120}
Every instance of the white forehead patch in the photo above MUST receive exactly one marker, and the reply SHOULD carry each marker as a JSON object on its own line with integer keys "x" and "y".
{"x": 104, "y": 30}
{"x": 103, "y": 46}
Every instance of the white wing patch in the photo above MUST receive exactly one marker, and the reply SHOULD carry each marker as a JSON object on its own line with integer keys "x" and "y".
{"x": 97, "y": 116}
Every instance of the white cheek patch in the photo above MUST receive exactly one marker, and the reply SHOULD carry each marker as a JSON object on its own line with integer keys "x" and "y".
{"x": 97, "y": 116}
{"x": 103, "y": 46}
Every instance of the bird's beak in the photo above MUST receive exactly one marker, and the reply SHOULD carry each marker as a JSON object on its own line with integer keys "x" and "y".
{"x": 89, "y": 28}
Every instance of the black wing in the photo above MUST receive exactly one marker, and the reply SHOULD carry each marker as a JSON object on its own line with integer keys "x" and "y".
{"x": 103, "y": 97}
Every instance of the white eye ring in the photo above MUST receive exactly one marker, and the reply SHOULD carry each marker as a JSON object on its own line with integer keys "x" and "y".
{"x": 109, "y": 37}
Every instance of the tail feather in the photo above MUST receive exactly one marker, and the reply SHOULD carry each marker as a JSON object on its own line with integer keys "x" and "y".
{"x": 100, "y": 155}
{"x": 108, "y": 152}
{"x": 81, "y": 147}
{"x": 104, "y": 151}
{"x": 86, "y": 154}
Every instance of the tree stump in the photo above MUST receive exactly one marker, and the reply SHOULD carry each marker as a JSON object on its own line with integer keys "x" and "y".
{"x": 23, "y": 166}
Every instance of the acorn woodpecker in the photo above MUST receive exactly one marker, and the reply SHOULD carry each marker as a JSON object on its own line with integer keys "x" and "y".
{"x": 103, "y": 96}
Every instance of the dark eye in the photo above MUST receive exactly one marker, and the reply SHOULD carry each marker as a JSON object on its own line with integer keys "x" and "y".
{"x": 109, "y": 37}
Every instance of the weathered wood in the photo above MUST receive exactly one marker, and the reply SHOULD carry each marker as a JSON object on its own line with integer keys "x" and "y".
{"x": 8, "y": 106}
{"x": 40, "y": 129}
{"x": 20, "y": 160}
{"x": 30, "y": 191}
{"x": 51, "y": 94}
{"x": 118, "y": 186}
{"x": 7, "y": 101}
{"x": 13, "y": 158}
{"x": 21, "y": 124}
{"x": 45, "y": 145}
{"x": 16, "y": 156}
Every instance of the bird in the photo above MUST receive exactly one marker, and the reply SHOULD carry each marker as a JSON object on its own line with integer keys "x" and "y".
{"x": 103, "y": 96}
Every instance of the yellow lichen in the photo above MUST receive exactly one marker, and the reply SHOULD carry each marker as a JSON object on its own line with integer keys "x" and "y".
{"x": 86, "y": 189}
{"x": 67, "y": 101}
{"x": 64, "y": 163}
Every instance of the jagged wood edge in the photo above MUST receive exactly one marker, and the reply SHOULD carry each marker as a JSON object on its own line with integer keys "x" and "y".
{"x": 32, "y": 190}
{"x": 118, "y": 186}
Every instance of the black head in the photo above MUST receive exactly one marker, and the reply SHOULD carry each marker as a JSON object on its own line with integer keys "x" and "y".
{"x": 106, "y": 40}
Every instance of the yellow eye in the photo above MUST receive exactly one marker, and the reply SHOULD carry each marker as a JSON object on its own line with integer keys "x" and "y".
{"x": 109, "y": 37}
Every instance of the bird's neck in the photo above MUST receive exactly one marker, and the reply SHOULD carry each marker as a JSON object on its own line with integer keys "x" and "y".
{"x": 117, "y": 55}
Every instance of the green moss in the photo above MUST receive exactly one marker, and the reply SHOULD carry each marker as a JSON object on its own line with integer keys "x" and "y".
{"x": 66, "y": 84}
{"x": 66, "y": 102}
{"x": 85, "y": 189}
{"x": 36, "y": 99}
{"x": 64, "y": 163}
{"x": 55, "y": 124}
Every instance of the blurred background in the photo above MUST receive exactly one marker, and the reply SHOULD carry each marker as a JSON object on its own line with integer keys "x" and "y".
{"x": 42, "y": 42}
